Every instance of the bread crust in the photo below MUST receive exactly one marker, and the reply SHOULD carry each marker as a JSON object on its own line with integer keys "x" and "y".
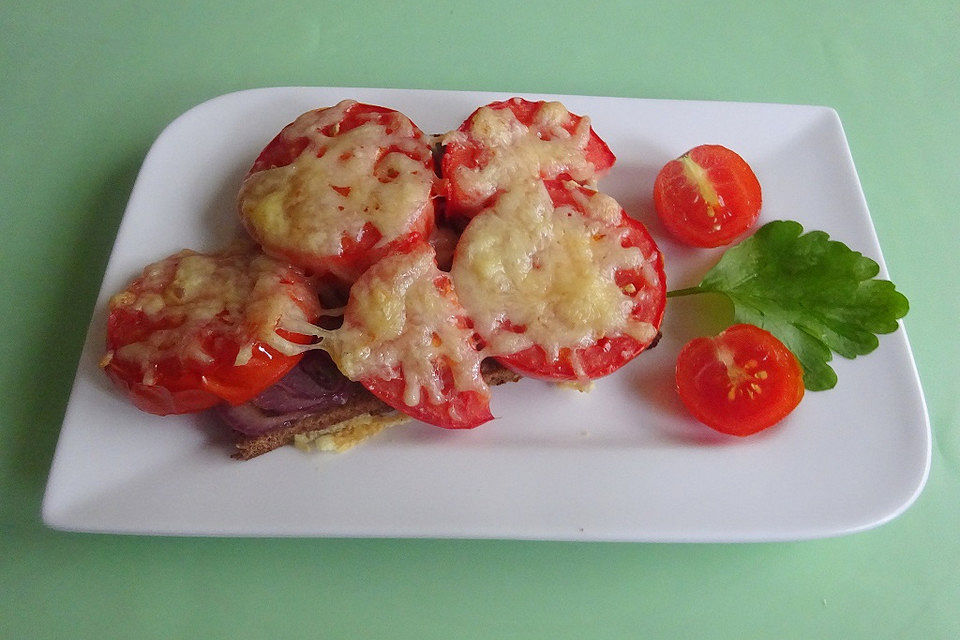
{"x": 330, "y": 420}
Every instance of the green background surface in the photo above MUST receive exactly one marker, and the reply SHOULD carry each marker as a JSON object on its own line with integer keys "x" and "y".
{"x": 86, "y": 88}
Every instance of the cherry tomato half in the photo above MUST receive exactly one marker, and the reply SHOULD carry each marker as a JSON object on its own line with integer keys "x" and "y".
{"x": 708, "y": 196}
{"x": 739, "y": 382}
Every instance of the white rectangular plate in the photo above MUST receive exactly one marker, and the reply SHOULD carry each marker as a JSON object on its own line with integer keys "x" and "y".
{"x": 624, "y": 462}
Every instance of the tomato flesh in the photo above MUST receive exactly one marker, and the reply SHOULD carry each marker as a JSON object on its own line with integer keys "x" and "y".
{"x": 708, "y": 196}
{"x": 605, "y": 353}
{"x": 462, "y": 409}
{"x": 470, "y": 153}
{"x": 608, "y": 353}
{"x": 422, "y": 299}
{"x": 357, "y": 251}
{"x": 174, "y": 381}
{"x": 739, "y": 382}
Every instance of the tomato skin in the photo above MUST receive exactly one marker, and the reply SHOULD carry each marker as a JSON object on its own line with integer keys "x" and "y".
{"x": 600, "y": 359}
{"x": 182, "y": 387}
{"x": 163, "y": 400}
{"x": 470, "y": 153}
{"x": 179, "y": 384}
{"x": 739, "y": 382}
{"x": 464, "y": 410}
{"x": 708, "y": 196}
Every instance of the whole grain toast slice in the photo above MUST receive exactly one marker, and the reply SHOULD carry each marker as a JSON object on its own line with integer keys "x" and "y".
{"x": 346, "y": 425}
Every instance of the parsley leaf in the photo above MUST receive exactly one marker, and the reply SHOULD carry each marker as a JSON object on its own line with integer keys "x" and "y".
{"x": 816, "y": 295}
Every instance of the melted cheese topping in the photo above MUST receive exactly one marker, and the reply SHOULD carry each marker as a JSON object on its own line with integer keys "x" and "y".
{"x": 398, "y": 323}
{"x": 339, "y": 183}
{"x": 518, "y": 153}
{"x": 240, "y": 294}
{"x": 549, "y": 270}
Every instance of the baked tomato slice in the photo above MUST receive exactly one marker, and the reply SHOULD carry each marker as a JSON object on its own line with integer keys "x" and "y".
{"x": 708, "y": 196}
{"x": 560, "y": 283}
{"x": 339, "y": 188}
{"x": 407, "y": 339}
{"x": 740, "y": 381}
{"x": 195, "y": 330}
{"x": 513, "y": 141}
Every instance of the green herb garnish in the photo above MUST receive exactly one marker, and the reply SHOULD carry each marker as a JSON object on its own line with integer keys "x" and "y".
{"x": 815, "y": 294}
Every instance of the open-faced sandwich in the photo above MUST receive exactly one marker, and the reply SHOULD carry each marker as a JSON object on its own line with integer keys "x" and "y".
{"x": 377, "y": 285}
